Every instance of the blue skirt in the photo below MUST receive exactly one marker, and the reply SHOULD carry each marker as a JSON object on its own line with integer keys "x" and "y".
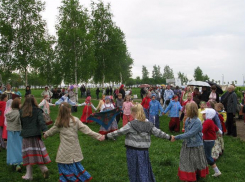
{"x": 14, "y": 148}
{"x": 73, "y": 172}
{"x": 139, "y": 166}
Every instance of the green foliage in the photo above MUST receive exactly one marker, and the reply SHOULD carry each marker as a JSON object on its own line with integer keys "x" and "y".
{"x": 156, "y": 74}
{"x": 167, "y": 73}
{"x": 199, "y": 76}
{"x": 183, "y": 78}
{"x": 145, "y": 75}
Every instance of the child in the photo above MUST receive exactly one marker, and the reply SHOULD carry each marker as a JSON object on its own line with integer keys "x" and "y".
{"x": 87, "y": 110}
{"x": 69, "y": 154}
{"x": 33, "y": 148}
{"x": 5, "y": 132}
{"x": 138, "y": 140}
{"x": 127, "y": 105}
{"x": 209, "y": 136}
{"x": 65, "y": 98}
{"x": 219, "y": 107}
{"x": 145, "y": 103}
{"x": 107, "y": 107}
{"x": 192, "y": 155}
{"x": 14, "y": 142}
{"x": 189, "y": 100}
{"x": 101, "y": 103}
{"x": 3, "y": 101}
{"x": 44, "y": 105}
{"x": 119, "y": 103}
{"x": 154, "y": 108}
{"x": 175, "y": 108}
{"x": 202, "y": 108}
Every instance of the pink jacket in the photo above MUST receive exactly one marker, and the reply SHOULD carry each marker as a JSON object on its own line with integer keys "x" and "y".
{"x": 127, "y": 108}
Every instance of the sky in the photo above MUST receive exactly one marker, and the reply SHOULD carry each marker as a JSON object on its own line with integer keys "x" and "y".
{"x": 183, "y": 34}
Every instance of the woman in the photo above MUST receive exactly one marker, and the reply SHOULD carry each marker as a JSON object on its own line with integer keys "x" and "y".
{"x": 28, "y": 91}
{"x": 214, "y": 96}
{"x": 3, "y": 101}
{"x": 122, "y": 91}
{"x": 192, "y": 155}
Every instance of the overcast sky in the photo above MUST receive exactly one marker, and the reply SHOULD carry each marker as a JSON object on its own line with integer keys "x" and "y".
{"x": 183, "y": 34}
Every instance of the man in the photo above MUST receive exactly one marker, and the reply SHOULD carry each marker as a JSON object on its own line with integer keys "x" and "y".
{"x": 47, "y": 93}
{"x": 168, "y": 94}
{"x": 8, "y": 91}
{"x": 83, "y": 91}
{"x": 230, "y": 103}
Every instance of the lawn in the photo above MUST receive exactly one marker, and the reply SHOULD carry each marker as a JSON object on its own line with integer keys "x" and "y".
{"x": 106, "y": 161}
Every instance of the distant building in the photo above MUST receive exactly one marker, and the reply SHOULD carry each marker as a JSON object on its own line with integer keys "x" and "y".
{"x": 174, "y": 81}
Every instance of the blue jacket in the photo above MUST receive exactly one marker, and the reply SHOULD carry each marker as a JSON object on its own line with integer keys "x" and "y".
{"x": 154, "y": 107}
{"x": 174, "y": 108}
{"x": 193, "y": 133}
{"x": 217, "y": 121}
{"x": 168, "y": 94}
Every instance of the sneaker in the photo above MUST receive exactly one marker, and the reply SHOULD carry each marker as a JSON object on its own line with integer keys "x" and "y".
{"x": 18, "y": 168}
{"x": 216, "y": 174}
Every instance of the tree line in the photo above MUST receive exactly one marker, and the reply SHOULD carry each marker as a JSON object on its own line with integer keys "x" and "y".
{"x": 88, "y": 45}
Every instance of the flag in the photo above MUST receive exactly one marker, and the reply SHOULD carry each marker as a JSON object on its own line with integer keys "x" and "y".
{"x": 105, "y": 118}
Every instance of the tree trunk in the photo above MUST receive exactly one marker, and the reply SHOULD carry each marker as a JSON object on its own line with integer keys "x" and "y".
{"x": 26, "y": 77}
{"x": 121, "y": 77}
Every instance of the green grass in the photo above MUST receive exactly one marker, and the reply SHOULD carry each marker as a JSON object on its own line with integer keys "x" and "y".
{"x": 106, "y": 161}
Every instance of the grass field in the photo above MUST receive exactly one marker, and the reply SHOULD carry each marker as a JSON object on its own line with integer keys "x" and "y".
{"x": 106, "y": 161}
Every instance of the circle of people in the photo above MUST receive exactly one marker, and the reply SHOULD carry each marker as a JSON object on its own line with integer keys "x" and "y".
{"x": 205, "y": 120}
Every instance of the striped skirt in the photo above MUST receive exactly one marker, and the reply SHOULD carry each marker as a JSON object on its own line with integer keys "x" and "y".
{"x": 34, "y": 151}
{"x": 14, "y": 146}
{"x": 192, "y": 162}
{"x": 73, "y": 172}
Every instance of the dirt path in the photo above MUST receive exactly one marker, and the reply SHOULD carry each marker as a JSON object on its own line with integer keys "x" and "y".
{"x": 240, "y": 129}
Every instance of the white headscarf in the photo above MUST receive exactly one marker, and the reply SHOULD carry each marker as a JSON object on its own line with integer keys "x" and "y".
{"x": 210, "y": 113}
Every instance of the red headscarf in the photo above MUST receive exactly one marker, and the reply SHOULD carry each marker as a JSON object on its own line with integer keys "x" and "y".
{"x": 121, "y": 87}
{"x": 88, "y": 99}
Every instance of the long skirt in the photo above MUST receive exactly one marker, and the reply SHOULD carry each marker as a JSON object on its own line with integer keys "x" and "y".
{"x": 14, "y": 147}
{"x": 112, "y": 128}
{"x": 127, "y": 118}
{"x": 174, "y": 124}
{"x": 87, "y": 110}
{"x": 5, "y": 132}
{"x": 155, "y": 120}
{"x": 192, "y": 162}
{"x": 73, "y": 172}
{"x": 34, "y": 151}
{"x": 139, "y": 166}
{"x": 218, "y": 148}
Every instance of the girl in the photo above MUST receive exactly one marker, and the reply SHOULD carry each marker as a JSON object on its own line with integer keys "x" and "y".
{"x": 44, "y": 105}
{"x": 107, "y": 107}
{"x": 139, "y": 165}
{"x": 209, "y": 136}
{"x": 214, "y": 96}
{"x": 192, "y": 155}
{"x": 202, "y": 108}
{"x": 101, "y": 103}
{"x": 145, "y": 103}
{"x": 219, "y": 107}
{"x": 87, "y": 110}
{"x": 69, "y": 154}
{"x": 14, "y": 142}
{"x": 3, "y": 101}
{"x": 127, "y": 105}
{"x": 154, "y": 108}
{"x": 7, "y": 109}
{"x": 174, "y": 107}
{"x": 189, "y": 100}
{"x": 33, "y": 148}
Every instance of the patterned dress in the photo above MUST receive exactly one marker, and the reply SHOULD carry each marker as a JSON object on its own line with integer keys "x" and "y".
{"x": 114, "y": 126}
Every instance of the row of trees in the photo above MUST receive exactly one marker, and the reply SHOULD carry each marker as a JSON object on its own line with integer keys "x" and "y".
{"x": 88, "y": 46}
{"x": 159, "y": 77}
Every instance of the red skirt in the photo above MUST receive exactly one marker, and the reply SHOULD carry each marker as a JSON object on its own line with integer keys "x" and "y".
{"x": 87, "y": 110}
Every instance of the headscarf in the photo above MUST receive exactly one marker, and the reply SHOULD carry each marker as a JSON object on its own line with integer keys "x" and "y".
{"x": 88, "y": 99}
{"x": 7, "y": 109}
{"x": 175, "y": 97}
{"x": 210, "y": 113}
{"x": 121, "y": 87}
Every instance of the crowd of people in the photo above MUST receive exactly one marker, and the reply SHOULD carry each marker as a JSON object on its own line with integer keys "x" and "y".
{"x": 206, "y": 118}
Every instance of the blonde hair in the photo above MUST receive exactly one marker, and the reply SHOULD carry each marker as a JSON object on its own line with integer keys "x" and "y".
{"x": 64, "y": 116}
{"x": 191, "y": 110}
{"x": 220, "y": 105}
{"x": 127, "y": 96}
{"x": 139, "y": 112}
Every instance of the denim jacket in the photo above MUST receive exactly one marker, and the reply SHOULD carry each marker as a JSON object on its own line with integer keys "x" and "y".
{"x": 193, "y": 133}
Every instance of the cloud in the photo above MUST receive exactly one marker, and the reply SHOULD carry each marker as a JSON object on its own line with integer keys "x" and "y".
{"x": 183, "y": 34}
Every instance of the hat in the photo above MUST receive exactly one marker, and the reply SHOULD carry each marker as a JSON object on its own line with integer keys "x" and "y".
{"x": 153, "y": 95}
{"x": 210, "y": 113}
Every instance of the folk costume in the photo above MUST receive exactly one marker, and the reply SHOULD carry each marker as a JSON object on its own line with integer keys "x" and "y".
{"x": 44, "y": 105}
{"x": 69, "y": 154}
{"x": 87, "y": 110}
{"x": 2, "y": 119}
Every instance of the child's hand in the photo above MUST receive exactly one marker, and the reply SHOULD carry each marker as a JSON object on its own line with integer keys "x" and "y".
{"x": 163, "y": 113}
{"x": 102, "y": 138}
{"x": 44, "y": 136}
{"x": 172, "y": 138}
